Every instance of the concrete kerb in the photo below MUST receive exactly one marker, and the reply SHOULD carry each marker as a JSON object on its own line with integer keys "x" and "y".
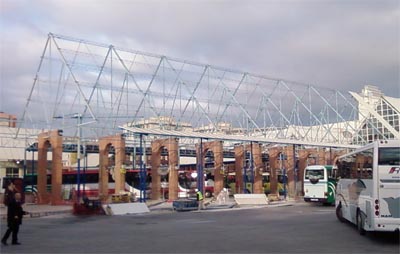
{"x": 36, "y": 211}
{"x": 235, "y": 207}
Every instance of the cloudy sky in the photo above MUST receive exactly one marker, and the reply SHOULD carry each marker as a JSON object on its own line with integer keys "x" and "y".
{"x": 342, "y": 44}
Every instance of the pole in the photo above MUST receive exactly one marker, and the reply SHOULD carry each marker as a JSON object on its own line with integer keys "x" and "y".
{"x": 284, "y": 183}
{"x": 33, "y": 168}
{"x": 295, "y": 170}
{"x": 144, "y": 171}
{"x": 245, "y": 171}
{"x": 200, "y": 174}
{"x": 134, "y": 155}
{"x": 78, "y": 178}
{"x": 283, "y": 173}
{"x": 251, "y": 167}
{"x": 84, "y": 170}
{"x": 24, "y": 166}
{"x": 141, "y": 174}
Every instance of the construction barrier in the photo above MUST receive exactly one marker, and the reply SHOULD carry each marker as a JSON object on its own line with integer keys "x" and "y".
{"x": 251, "y": 199}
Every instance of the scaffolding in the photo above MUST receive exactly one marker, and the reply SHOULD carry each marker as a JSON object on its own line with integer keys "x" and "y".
{"x": 110, "y": 87}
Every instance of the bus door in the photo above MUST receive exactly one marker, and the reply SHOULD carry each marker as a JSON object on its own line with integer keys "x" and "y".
{"x": 389, "y": 182}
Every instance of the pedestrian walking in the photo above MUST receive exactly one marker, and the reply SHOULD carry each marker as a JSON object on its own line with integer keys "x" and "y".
{"x": 14, "y": 219}
{"x": 9, "y": 193}
{"x": 200, "y": 200}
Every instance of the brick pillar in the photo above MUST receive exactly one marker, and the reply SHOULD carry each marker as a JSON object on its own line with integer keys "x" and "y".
{"x": 289, "y": 165}
{"x": 156, "y": 147}
{"x": 119, "y": 177}
{"x": 258, "y": 165}
{"x": 329, "y": 156}
{"x": 322, "y": 156}
{"x": 303, "y": 156}
{"x": 217, "y": 149}
{"x": 42, "y": 169}
{"x": 356, "y": 170}
{"x": 173, "y": 162}
{"x": 119, "y": 145}
{"x": 46, "y": 139}
{"x": 56, "y": 172}
{"x": 239, "y": 158}
{"x": 104, "y": 146}
{"x": 274, "y": 165}
{"x": 335, "y": 157}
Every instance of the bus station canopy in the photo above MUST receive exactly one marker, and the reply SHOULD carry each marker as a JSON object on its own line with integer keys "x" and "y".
{"x": 225, "y": 137}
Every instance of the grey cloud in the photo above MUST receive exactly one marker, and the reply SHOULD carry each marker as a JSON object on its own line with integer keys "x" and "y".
{"x": 337, "y": 44}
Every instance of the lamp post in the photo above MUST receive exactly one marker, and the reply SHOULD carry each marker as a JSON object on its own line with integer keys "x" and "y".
{"x": 142, "y": 171}
{"x": 283, "y": 170}
{"x": 200, "y": 174}
{"x": 251, "y": 167}
{"x": 295, "y": 170}
{"x": 25, "y": 165}
{"x": 78, "y": 152}
{"x": 77, "y": 116}
{"x": 244, "y": 170}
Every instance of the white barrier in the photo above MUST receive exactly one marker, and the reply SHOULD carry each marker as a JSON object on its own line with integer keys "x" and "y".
{"x": 223, "y": 196}
{"x": 251, "y": 199}
{"x": 125, "y": 208}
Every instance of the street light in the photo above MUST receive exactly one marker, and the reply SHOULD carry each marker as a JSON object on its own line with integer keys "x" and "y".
{"x": 78, "y": 152}
{"x": 282, "y": 157}
{"x": 78, "y": 179}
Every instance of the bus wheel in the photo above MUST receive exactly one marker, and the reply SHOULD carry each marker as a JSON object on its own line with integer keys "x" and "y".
{"x": 339, "y": 213}
{"x": 360, "y": 224}
{"x": 208, "y": 194}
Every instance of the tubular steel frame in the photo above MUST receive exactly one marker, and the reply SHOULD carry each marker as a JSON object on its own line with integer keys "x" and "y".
{"x": 111, "y": 86}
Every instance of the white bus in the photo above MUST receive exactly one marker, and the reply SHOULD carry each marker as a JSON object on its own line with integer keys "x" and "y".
{"x": 368, "y": 192}
{"x": 320, "y": 184}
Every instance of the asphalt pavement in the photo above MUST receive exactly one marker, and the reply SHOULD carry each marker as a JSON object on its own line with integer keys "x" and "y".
{"x": 154, "y": 206}
{"x": 291, "y": 227}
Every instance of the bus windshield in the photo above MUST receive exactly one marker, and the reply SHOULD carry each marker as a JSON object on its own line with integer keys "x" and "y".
{"x": 389, "y": 156}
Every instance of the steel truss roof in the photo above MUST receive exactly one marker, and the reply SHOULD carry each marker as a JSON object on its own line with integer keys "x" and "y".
{"x": 110, "y": 86}
{"x": 223, "y": 137}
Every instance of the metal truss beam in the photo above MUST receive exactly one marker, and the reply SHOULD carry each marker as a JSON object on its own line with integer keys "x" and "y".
{"x": 114, "y": 86}
{"x": 372, "y": 111}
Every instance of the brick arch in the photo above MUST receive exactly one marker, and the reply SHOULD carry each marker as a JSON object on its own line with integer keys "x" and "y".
{"x": 46, "y": 140}
{"x": 274, "y": 165}
{"x": 303, "y": 157}
{"x": 239, "y": 162}
{"x": 217, "y": 149}
{"x": 324, "y": 157}
{"x": 289, "y": 166}
{"x": 104, "y": 145}
{"x": 336, "y": 156}
{"x": 258, "y": 164}
{"x": 171, "y": 144}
